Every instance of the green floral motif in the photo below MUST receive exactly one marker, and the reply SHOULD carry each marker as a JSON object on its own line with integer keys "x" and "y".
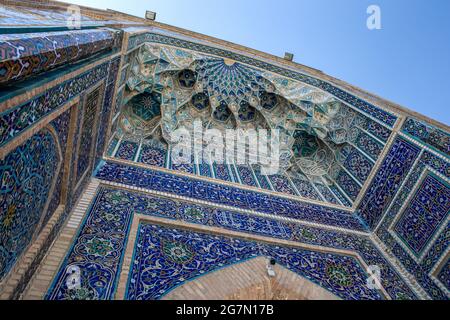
{"x": 339, "y": 275}
{"x": 81, "y": 294}
{"x": 177, "y": 252}
{"x": 99, "y": 247}
{"x": 111, "y": 217}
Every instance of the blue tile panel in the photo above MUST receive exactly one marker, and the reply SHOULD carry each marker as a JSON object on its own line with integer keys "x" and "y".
{"x": 281, "y": 184}
{"x": 369, "y": 145}
{"x": 428, "y": 134}
{"x": 153, "y": 156}
{"x": 127, "y": 150}
{"x": 387, "y": 181}
{"x": 106, "y": 109}
{"x": 444, "y": 274}
{"x": 221, "y": 172}
{"x": 262, "y": 179}
{"x": 246, "y": 175}
{"x": 328, "y": 195}
{"x": 88, "y": 135}
{"x": 100, "y": 245}
{"x": 35, "y": 162}
{"x": 184, "y": 167}
{"x": 384, "y": 116}
{"x": 97, "y": 251}
{"x": 348, "y": 185}
{"x": 25, "y": 55}
{"x": 208, "y": 191}
{"x": 27, "y": 174}
{"x": 61, "y": 126}
{"x": 306, "y": 189}
{"x": 376, "y": 129}
{"x": 16, "y": 120}
{"x": 340, "y": 196}
{"x": 358, "y": 165}
{"x": 112, "y": 147}
{"x": 205, "y": 169}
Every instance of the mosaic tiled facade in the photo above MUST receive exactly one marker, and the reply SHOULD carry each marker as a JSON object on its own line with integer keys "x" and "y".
{"x": 362, "y": 183}
{"x": 27, "y": 176}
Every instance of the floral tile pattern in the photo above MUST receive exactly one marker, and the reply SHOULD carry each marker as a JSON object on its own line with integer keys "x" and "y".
{"x": 100, "y": 244}
{"x": 209, "y": 191}
{"x": 26, "y": 175}
{"x": 165, "y": 258}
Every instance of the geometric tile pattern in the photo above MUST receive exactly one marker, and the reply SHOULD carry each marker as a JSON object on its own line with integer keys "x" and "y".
{"x": 87, "y": 132}
{"x": 22, "y": 56}
{"x": 30, "y": 54}
{"x": 428, "y": 134}
{"x": 424, "y": 214}
{"x": 406, "y": 204}
{"x": 444, "y": 275}
{"x": 152, "y": 156}
{"x": 16, "y": 120}
{"x": 146, "y": 106}
{"x": 421, "y": 267}
{"x": 127, "y": 150}
{"x": 387, "y": 181}
{"x": 235, "y": 90}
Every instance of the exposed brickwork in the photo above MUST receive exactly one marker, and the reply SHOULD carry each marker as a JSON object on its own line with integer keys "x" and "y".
{"x": 249, "y": 281}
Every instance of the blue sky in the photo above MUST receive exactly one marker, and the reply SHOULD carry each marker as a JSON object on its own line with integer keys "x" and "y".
{"x": 407, "y": 61}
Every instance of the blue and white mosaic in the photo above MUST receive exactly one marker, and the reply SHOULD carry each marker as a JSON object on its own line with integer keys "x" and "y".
{"x": 216, "y": 193}
{"x": 165, "y": 258}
